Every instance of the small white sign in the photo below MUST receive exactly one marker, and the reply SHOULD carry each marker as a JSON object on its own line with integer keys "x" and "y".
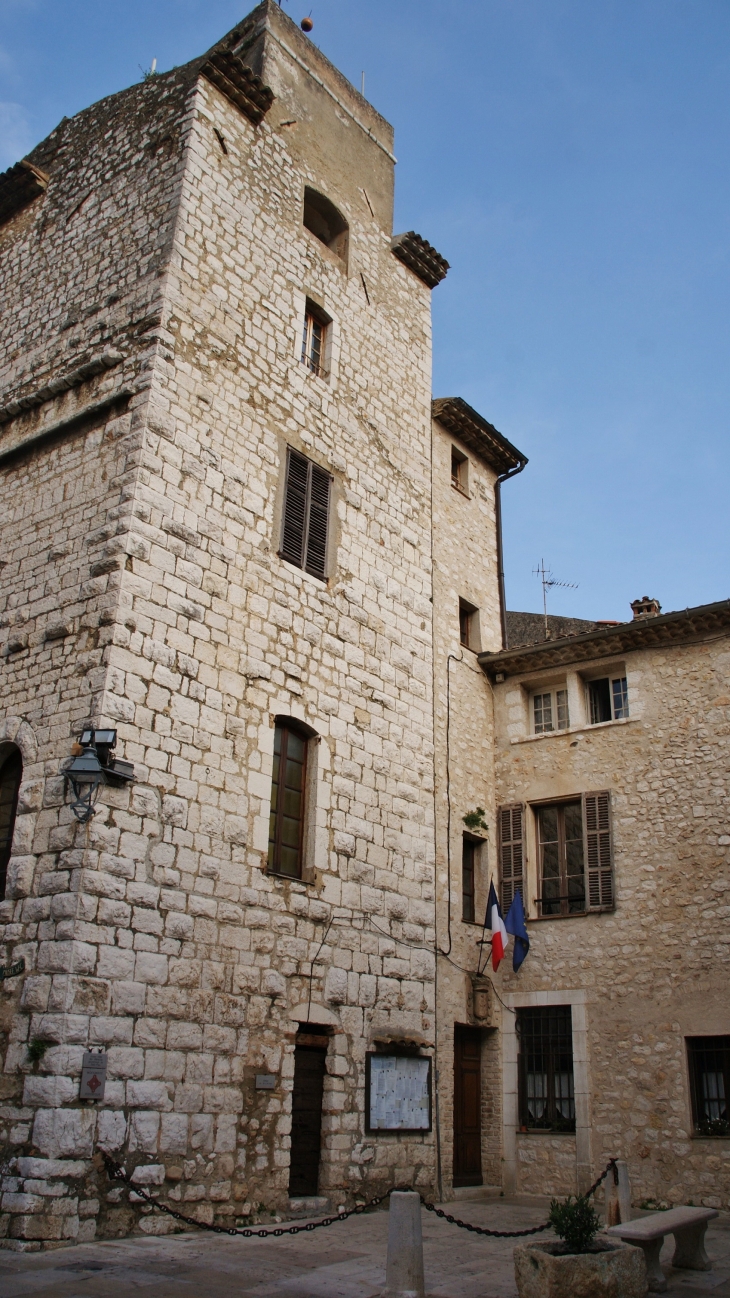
{"x": 93, "y": 1076}
{"x": 399, "y": 1093}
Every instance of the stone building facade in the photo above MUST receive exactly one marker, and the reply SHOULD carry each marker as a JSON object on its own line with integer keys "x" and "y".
{"x": 156, "y": 396}
{"x": 237, "y": 531}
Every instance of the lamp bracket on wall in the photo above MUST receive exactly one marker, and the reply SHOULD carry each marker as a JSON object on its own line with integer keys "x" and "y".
{"x": 92, "y": 766}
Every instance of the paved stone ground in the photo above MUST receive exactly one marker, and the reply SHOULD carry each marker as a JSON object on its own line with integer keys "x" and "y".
{"x": 346, "y": 1260}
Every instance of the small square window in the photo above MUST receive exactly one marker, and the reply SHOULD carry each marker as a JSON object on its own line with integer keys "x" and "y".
{"x": 468, "y": 628}
{"x": 459, "y": 471}
{"x": 550, "y": 711}
{"x": 608, "y": 699}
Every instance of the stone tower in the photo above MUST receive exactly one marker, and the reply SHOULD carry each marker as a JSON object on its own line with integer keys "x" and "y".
{"x": 215, "y": 473}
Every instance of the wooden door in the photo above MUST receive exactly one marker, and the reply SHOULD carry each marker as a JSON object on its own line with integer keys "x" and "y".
{"x": 467, "y": 1106}
{"x": 306, "y": 1120}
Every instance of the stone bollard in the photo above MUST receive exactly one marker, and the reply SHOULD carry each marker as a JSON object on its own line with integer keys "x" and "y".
{"x": 404, "y": 1268}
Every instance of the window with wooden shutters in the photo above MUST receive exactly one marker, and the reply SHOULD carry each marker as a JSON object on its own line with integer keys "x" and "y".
{"x": 288, "y": 790}
{"x": 511, "y": 854}
{"x": 306, "y": 515}
{"x": 598, "y": 850}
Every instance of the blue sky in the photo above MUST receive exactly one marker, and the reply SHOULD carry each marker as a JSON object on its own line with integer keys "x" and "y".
{"x": 570, "y": 159}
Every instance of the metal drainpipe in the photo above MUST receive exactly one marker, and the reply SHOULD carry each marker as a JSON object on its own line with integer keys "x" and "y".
{"x": 500, "y": 555}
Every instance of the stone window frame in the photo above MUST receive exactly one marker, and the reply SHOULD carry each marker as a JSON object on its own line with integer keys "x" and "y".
{"x": 469, "y": 629}
{"x": 577, "y": 999}
{"x": 316, "y": 840}
{"x": 459, "y": 471}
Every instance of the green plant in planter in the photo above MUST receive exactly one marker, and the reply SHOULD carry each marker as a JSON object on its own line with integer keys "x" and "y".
{"x": 575, "y": 1221}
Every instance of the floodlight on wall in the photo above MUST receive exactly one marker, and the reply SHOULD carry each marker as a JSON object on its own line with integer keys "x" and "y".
{"x": 93, "y": 767}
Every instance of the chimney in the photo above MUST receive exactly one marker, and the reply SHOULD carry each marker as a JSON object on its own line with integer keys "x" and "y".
{"x": 646, "y": 607}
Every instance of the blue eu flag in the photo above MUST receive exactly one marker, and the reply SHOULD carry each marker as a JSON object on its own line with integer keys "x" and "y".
{"x": 515, "y": 924}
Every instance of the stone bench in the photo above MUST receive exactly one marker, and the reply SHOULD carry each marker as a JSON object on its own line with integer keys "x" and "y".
{"x": 688, "y": 1225}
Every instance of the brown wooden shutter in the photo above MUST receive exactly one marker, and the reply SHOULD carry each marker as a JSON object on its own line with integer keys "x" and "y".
{"x": 295, "y": 508}
{"x": 511, "y": 854}
{"x": 317, "y": 523}
{"x": 598, "y": 850}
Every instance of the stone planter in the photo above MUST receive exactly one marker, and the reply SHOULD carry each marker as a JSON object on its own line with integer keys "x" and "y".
{"x": 546, "y": 1271}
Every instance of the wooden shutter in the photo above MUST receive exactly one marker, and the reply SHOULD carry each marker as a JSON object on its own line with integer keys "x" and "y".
{"x": 511, "y": 854}
{"x": 317, "y": 523}
{"x": 295, "y": 508}
{"x": 598, "y": 851}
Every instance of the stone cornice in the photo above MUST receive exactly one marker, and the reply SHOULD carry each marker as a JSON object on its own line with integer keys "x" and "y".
{"x": 239, "y": 84}
{"x": 481, "y": 437}
{"x": 687, "y": 625}
{"x": 420, "y": 257}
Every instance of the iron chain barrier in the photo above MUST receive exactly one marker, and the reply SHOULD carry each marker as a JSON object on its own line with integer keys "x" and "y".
{"x": 116, "y": 1172}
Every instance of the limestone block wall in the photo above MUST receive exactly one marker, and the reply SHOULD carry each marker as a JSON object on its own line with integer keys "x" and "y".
{"x": 465, "y": 567}
{"x": 157, "y": 933}
{"x": 654, "y": 971}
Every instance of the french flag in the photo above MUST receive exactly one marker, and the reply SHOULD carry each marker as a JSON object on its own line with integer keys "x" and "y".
{"x": 496, "y": 924}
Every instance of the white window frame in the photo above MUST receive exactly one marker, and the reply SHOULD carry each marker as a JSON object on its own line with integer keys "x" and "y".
{"x": 558, "y": 696}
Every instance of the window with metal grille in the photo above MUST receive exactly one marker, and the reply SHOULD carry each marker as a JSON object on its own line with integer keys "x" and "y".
{"x": 314, "y": 340}
{"x": 550, "y": 711}
{"x": 469, "y": 853}
{"x": 575, "y": 856}
{"x": 11, "y": 772}
{"x": 545, "y": 1062}
{"x": 709, "y": 1075}
{"x": 288, "y": 781}
{"x": 608, "y": 699}
{"x": 306, "y": 515}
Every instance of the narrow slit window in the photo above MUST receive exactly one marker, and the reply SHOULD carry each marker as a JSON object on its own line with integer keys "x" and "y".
{"x": 11, "y": 772}
{"x": 459, "y": 470}
{"x": 288, "y": 787}
{"x": 468, "y": 879}
{"x": 468, "y": 635}
{"x": 305, "y": 528}
{"x": 314, "y": 339}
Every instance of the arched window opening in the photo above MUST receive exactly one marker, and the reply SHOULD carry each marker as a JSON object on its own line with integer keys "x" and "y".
{"x": 11, "y": 772}
{"x": 323, "y": 220}
{"x": 287, "y": 821}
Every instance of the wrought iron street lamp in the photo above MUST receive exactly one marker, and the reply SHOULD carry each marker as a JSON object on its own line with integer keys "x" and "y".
{"x": 91, "y": 768}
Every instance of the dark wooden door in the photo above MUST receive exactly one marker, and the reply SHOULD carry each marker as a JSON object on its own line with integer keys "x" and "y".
{"x": 306, "y": 1120}
{"x": 467, "y": 1106}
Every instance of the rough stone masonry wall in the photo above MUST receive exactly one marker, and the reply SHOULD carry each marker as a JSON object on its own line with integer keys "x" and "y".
{"x": 656, "y": 969}
{"x": 80, "y": 285}
{"x": 465, "y": 567}
{"x": 191, "y": 965}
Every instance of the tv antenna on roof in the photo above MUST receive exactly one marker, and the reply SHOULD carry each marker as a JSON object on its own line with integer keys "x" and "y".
{"x": 548, "y": 581}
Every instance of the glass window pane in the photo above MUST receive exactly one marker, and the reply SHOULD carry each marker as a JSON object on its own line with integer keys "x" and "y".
{"x": 561, "y": 699}
{"x": 620, "y": 691}
{"x": 599, "y": 695}
{"x": 543, "y": 712}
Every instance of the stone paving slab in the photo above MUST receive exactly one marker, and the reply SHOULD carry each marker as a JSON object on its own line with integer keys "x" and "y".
{"x": 346, "y": 1260}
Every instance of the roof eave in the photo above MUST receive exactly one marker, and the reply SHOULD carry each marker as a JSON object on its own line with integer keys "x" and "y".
{"x": 643, "y": 633}
{"x": 460, "y": 419}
